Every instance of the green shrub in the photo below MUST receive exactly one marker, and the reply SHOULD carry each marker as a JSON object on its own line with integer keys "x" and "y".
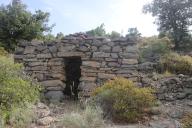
{"x": 16, "y": 89}
{"x": 22, "y": 117}
{"x": 91, "y": 117}
{"x": 123, "y": 100}
{"x": 176, "y": 63}
{"x": 152, "y": 49}
{"x": 187, "y": 121}
{"x": 3, "y": 52}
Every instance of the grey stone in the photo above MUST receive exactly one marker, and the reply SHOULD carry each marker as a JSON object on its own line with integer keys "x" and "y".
{"x": 45, "y": 121}
{"x": 106, "y": 76}
{"x": 32, "y": 64}
{"x": 53, "y": 49}
{"x": 129, "y": 61}
{"x": 18, "y": 57}
{"x": 19, "y": 50}
{"x": 41, "y": 48}
{"x": 54, "y": 96}
{"x": 113, "y": 64}
{"x": 29, "y": 50}
{"x": 56, "y": 88}
{"x": 48, "y": 55}
{"x": 97, "y": 43}
{"x": 38, "y": 68}
{"x": 66, "y": 48}
{"x": 101, "y": 55}
{"x": 105, "y": 48}
{"x": 181, "y": 96}
{"x": 91, "y": 64}
{"x": 111, "y": 60}
{"x": 53, "y": 83}
{"x": 176, "y": 113}
{"x": 155, "y": 110}
{"x": 158, "y": 125}
{"x": 101, "y": 59}
{"x": 129, "y": 55}
{"x": 131, "y": 49}
{"x": 69, "y": 54}
{"x": 114, "y": 55}
{"x": 116, "y": 49}
{"x": 84, "y": 48}
{"x": 89, "y": 79}
{"x": 94, "y": 48}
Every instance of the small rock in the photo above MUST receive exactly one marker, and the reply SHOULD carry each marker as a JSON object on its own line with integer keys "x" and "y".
{"x": 181, "y": 75}
{"x": 42, "y": 106}
{"x": 45, "y": 121}
{"x": 43, "y": 113}
{"x": 189, "y": 103}
{"x": 162, "y": 124}
{"x": 155, "y": 111}
{"x": 155, "y": 118}
{"x": 177, "y": 114}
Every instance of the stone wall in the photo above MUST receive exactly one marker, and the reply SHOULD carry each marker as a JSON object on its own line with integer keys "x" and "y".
{"x": 102, "y": 59}
{"x": 175, "y": 88}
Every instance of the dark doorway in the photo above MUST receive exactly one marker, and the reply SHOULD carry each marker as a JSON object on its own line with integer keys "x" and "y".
{"x": 73, "y": 74}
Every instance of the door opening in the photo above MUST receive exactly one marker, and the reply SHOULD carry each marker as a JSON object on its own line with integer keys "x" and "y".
{"x": 73, "y": 74}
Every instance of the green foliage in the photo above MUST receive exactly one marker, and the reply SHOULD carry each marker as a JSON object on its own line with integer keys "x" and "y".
{"x": 99, "y": 31}
{"x": 133, "y": 33}
{"x": 173, "y": 17}
{"x": 91, "y": 117}
{"x": 123, "y": 100}
{"x": 17, "y": 23}
{"x": 60, "y": 36}
{"x": 48, "y": 37}
{"x": 187, "y": 121}
{"x": 151, "y": 49}
{"x": 176, "y": 64}
{"x": 16, "y": 89}
{"x": 22, "y": 117}
{"x": 3, "y": 52}
{"x": 114, "y": 35}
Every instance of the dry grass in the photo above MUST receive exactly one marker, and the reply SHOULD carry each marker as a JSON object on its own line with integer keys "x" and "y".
{"x": 90, "y": 117}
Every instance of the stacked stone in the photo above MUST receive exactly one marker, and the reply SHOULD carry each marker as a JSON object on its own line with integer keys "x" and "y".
{"x": 175, "y": 88}
{"x": 102, "y": 59}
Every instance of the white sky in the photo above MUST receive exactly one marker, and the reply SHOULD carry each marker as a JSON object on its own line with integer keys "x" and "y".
{"x": 72, "y": 16}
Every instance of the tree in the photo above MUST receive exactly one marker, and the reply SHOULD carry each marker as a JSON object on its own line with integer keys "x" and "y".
{"x": 16, "y": 23}
{"x": 114, "y": 35}
{"x": 133, "y": 32}
{"x": 173, "y": 17}
{"x": 60, "y": 35}
{"x": 48, "y": 37}
{"x": 99, "y": 31}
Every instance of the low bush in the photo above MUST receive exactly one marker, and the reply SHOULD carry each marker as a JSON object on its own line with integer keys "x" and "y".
{"x": 187, "y": 121}
{"x": 123, "y": 101}
{"x": 152, "y": 49}
{"x": 176, "y": 64}
{"x": 3, "y": 52}
{"x": 91, "y": 117}
{"x": 22, "y": 117}
{"x": 16, "y": 89}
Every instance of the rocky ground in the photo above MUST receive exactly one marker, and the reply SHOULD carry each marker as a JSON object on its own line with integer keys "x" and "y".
{"x": 174, "y": 91}
{"x": 167, "y": 115}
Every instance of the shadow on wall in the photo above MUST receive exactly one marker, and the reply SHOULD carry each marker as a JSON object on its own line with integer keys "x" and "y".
{"x": 73, "y": 74}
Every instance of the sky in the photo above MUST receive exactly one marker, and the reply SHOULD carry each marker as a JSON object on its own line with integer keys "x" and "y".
{"x": 71, "y": 16}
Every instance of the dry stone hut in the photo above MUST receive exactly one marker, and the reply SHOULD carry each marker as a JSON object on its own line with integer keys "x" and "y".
{"x": 78, "y": 63}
